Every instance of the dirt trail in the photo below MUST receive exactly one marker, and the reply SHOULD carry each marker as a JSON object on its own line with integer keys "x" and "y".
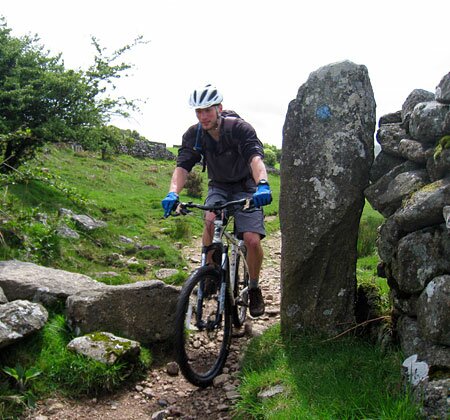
{"x": 164, "y": 396}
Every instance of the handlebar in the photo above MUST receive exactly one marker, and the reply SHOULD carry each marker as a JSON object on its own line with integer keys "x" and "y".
{"x": 183, "y": 208}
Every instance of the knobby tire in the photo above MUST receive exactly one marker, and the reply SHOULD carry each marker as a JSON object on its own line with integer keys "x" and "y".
{"x": 202, "y": 343}
{"x": 241, "y": 279}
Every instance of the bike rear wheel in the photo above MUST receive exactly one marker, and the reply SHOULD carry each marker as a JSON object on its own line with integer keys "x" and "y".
{"x": 202, "y": 331}
{"x": 241, "y": 279}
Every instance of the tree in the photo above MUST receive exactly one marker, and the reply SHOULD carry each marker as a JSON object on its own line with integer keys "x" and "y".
{"x": 109, "y": 138}
{"x": 41, "y": 101}
{"x": 270, "y": 157}
{"x": 272, "y": 154}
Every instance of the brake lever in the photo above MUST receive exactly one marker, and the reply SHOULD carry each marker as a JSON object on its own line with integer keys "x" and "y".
{"x": 180, "y": 210}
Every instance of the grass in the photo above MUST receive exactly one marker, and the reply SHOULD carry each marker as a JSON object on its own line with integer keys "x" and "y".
{"x": 345, "y": 378}
{"x": 59, "y": 370}
{"x": 124, "y": 192}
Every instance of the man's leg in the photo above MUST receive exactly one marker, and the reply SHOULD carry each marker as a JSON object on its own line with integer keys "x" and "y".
{"x": 208, "y": 233}
{"x": 255, "y": 255}
{"x": 215, "y": 195}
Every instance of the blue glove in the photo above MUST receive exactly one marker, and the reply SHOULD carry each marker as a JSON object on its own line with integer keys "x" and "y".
{"x": 169, "y": 203}
{"x": 263, "y": 195}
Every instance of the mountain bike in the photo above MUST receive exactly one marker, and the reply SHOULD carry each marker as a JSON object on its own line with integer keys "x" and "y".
{"x": 213, "y": 299}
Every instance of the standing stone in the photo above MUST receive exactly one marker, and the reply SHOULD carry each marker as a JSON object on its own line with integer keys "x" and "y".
{"x": 328, "y": 149}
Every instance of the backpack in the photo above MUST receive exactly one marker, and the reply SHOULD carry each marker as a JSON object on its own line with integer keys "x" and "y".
{"x": 228, "y": 123}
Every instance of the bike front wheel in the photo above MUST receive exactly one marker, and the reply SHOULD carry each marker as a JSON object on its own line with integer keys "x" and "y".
{"x": 241, "y": 279}
{"x": 203, "y": 327}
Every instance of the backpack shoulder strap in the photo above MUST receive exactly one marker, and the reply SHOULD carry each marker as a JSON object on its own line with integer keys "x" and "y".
{"x": 199, "y": 145}
{"x": 228, "y": 124}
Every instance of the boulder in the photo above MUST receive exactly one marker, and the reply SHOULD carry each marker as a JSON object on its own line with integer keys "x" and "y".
{"x": 443, "y": 90}
{"x": 388, "y": 193}
{"x": 66, "y": 232}
{"x": 389, "y": 137}
{"x": 142, "y": 311}
{"x": 87, "y": 222}
{"x": 433, "y": 396}
{"x": 327, "y": 153}
{"x": 19, "y": 319}
{"x": 106, "y": 348}
{"x": 424, "y": 207}
{"x": 415, "y": 97}
{"x": 438, "y": 166}
{"x": 415, "y": 151}
{"x": 411, "y": 342}
{"x": 421, "y": 256}
{"x": 28, "y": 281}
{"x": 433, "y": 314}
{"x": 429, "y": 122}
{"x": 84, "y": 221}
{"x": 392, "y": 117}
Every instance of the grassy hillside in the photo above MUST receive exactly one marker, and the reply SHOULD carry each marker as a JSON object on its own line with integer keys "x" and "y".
{"x": 124, "y": 192}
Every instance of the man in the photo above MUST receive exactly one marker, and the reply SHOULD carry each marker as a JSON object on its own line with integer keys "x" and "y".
{"x": 234, "y": 159}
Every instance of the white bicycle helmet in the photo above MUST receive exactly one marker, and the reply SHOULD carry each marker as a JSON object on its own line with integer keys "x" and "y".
{"x": 205, "y": 97}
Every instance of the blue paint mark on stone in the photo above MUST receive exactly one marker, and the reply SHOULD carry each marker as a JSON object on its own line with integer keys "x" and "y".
{"x": 323, "y": 112}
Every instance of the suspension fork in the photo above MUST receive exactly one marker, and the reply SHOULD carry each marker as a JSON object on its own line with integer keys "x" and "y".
{"x": 233, "y": 268}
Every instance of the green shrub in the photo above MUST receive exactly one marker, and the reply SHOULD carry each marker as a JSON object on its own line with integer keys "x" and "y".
{"x": 137, "y": 268}
{"x": 182, "y": 229}
{"x": 270, "y": 157}
{"x": 193, "y": 186}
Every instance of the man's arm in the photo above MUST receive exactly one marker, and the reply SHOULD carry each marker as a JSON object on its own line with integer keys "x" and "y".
{"x": 258, "y": 168}
{"x": 262, "y": 195}
{"x": 179, "y": 178}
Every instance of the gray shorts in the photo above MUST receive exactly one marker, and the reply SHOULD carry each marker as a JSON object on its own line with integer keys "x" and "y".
{"x": 251, "y": 221}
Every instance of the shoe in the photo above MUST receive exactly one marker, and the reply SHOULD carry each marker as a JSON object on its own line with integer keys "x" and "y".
{"x": 256, "y": 302}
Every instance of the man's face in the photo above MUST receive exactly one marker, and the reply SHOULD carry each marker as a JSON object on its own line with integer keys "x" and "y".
{"x": 208, "y": 116}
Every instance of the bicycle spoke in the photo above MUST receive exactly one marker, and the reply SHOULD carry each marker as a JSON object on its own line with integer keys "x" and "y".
{"x": 239, "y": 311}
{"x": 203, "y": 345}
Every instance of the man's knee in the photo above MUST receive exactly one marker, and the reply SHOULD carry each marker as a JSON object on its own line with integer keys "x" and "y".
{"x": 252, "y": 240}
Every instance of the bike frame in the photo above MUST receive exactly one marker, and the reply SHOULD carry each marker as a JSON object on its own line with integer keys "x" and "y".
{"x": 235, "y": 246}
{"x": 228, "y": 259}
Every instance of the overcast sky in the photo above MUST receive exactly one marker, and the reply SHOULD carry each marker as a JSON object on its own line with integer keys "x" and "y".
{"x": 257, "y": 52}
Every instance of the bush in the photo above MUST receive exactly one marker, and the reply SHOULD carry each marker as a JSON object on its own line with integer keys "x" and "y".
{"x": 182, "y": 229}
{"x": 270, "y": 157}
{"x": 193, "y": 186}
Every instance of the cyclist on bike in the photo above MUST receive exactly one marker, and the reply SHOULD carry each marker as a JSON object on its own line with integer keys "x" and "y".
{"x": 234, "y": 159}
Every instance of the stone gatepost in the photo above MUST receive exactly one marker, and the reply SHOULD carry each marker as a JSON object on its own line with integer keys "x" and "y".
{"x": 328, "y": 146}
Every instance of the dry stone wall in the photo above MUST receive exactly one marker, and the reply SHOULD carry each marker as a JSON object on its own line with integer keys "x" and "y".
{"x": 410, "y": 186}
{"x": 147, "y": 149}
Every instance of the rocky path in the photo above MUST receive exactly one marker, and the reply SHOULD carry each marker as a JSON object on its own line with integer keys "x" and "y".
{"x": 164, "y": 393}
